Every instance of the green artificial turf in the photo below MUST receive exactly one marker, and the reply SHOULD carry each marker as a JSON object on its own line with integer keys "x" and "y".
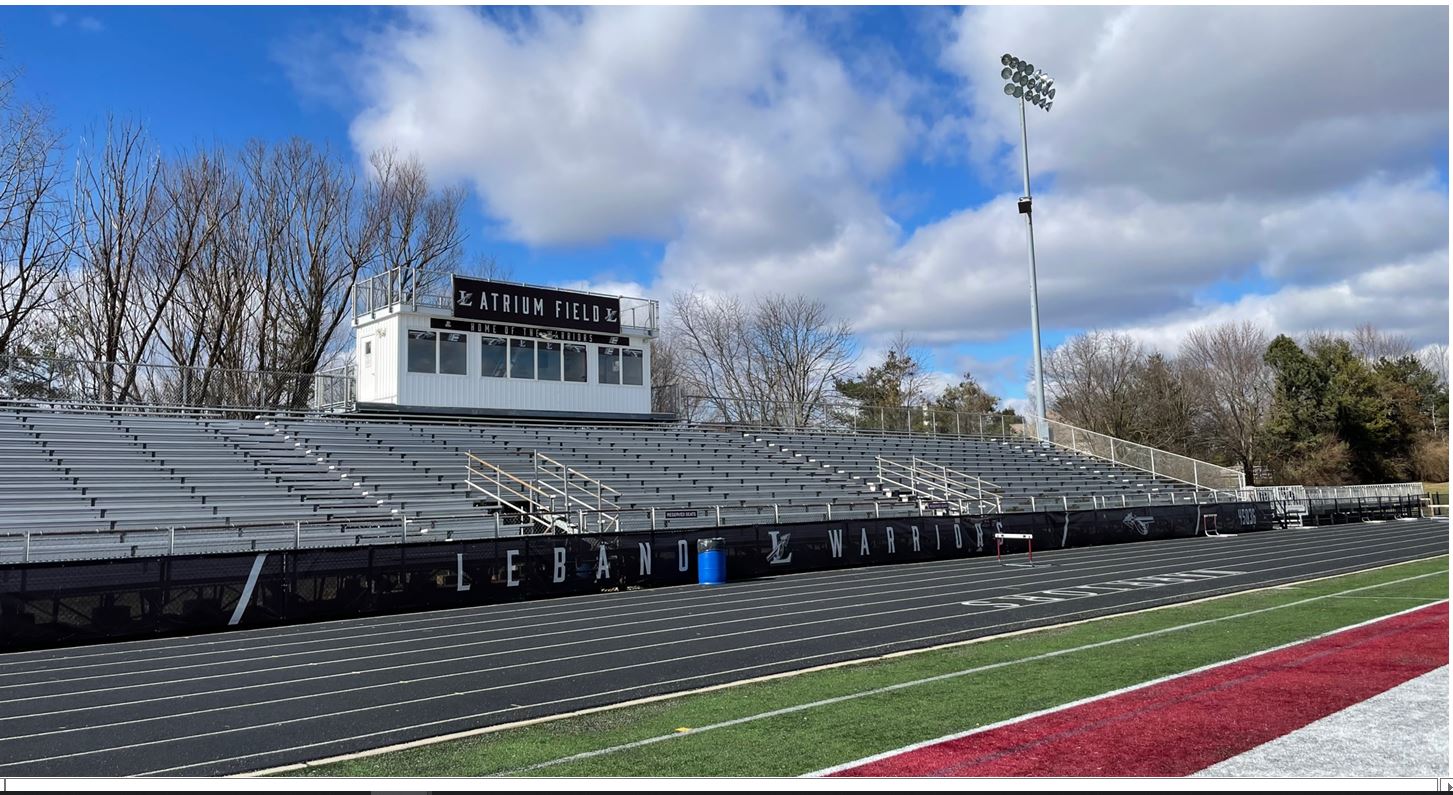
{"x": 813, "y": 737}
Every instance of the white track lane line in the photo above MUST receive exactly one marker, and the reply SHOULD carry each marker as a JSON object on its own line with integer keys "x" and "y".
{"x": 437, "y": 642}
{"x": 954, "y": 675}
{"x": 1320, "y": 554}
{"x": 597, "y": 672}
{"x": 665, "y": 598}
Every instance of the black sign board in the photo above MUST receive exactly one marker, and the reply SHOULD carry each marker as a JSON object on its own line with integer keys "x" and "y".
{"x": 449, "y": 324}
{"x": 680, "y": 514}
{"x": 497, "y": 302}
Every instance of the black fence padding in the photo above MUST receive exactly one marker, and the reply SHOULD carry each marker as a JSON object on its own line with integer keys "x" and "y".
{"x": 55, "y": 603}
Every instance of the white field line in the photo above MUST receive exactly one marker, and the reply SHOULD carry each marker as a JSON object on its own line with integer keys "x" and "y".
{"x": 361, "y": 688}
{"x": 1120, "y": 691}
{"x": 766, "y": 678}
{"x": 456, "y": 719}
{"x": 966, "y": 672}
{"x": 110, "y": 685}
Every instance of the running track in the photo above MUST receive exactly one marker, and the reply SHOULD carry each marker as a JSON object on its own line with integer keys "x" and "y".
{"x": 247, "y": 700}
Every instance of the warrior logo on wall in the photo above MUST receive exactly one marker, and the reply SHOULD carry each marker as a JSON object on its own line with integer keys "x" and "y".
{"x": 1140, "y": 524}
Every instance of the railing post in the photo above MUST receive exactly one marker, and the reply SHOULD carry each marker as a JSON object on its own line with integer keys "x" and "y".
{"x": 1065, "y": 498}
{"x": 653, "y": 517}
{"x": 1196, "y": 472}
{"x": 958, "y": 423}
{"x": 27, "y": 546}
{"x": 1122, "y": 500}
{"x": 718, "y": 515}
{"x": 1152, "y": 462}
{"x": 829, "y": 512}
{"x": 877, "y": 510}
{"x": 981, "y": 425}
{"x": 405, "y": 525}
{"x": 1032, "y": 507}
{"x": 776, "y": 515}
{"x": 297, "y": 534}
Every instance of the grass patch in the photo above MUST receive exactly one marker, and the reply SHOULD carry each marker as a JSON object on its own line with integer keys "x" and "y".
{"x": 817, "y": 737}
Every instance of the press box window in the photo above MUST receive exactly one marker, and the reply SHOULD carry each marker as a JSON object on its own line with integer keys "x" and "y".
{"x": 549, "y": 361}
{"x": 453, "y": 354}
{"x": 522, "y": 358}
{"x": 610, "y": 365}
{"x": 575, "y": 363}
{"x": 494, "y": 357}
{"x": 633, "y": 367}
{"x": 421, "y": 351}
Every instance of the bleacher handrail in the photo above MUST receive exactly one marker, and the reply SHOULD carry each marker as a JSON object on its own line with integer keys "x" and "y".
{"x": 603, "y": 504}
{"x": 488, "y": 471}
{"x": 928, "y": 484}
{"x": 1159, "y": 463}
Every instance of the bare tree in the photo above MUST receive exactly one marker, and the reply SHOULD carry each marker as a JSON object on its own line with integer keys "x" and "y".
{"x": 1369, "y": 343}
{"x": 120, "y": 201}
{"x": 1231, "y": 387}
{"x": 804, "y": 350}
{"x": 771, "y": 361}
{"x": 410, "y": 229}
{"x": 35, "y": 231}
{"x": 1092, "y": 381}
{"x": 488, "y": 267}
{"x": 1435, "y": 358}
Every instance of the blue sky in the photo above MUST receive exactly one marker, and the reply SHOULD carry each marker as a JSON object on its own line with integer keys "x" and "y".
{"x": 863, "y": 156}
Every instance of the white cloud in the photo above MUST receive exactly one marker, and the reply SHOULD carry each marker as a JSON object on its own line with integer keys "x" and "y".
{"x": 1194, "y": 102}
{"x": 1108, "y": 257}
{"x": 1190, "y": 147}
{"x": 724, "y": 129}
{"x": 88, "y": 24}
{"x": 1407, "y": 297}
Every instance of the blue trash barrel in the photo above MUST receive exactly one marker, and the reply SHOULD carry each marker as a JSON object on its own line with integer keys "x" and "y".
{"x": 711, "y": 561}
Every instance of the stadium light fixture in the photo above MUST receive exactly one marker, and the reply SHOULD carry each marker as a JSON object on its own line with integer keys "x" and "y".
{"x": 1028, "y": 84}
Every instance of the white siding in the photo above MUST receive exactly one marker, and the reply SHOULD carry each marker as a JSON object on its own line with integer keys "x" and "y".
{"x": 395, "y": 385}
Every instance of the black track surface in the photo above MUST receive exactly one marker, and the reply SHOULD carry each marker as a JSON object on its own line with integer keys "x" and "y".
{"x": 249, "y": 700}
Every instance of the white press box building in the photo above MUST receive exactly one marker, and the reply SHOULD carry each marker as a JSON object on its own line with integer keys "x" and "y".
{"x": 428, "y": 342}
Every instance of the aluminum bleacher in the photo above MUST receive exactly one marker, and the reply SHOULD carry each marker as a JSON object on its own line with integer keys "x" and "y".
{"x": 85, "y": 483}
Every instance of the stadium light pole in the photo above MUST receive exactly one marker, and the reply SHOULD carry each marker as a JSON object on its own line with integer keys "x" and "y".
{"x": 1033, "y": 87}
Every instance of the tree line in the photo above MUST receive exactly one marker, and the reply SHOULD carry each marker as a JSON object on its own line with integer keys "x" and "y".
{"x": 1330, "y": 409}
{"x": 208, "y": 276}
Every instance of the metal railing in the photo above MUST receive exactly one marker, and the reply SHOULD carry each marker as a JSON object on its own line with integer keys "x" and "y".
{"x": 1414, "y": 489}
{"x": 831, "y": 415}
{"x": 27, "y": 545}
{"x": 572, "y": 483}
{"x": 50, "y": 381}
{"x": 430, "y": 290}
{"x": 1159, "y": 463}
{"x": 927, "y": 480}
{"x": 481, "y": 474}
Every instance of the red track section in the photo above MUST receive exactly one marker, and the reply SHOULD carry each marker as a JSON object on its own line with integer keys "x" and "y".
{"x": 1186, "y": 724}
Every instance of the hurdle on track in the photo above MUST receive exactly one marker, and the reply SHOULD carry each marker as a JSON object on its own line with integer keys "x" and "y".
{"x": 999, "y": 539}
{"x": 1208, "y": 525}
